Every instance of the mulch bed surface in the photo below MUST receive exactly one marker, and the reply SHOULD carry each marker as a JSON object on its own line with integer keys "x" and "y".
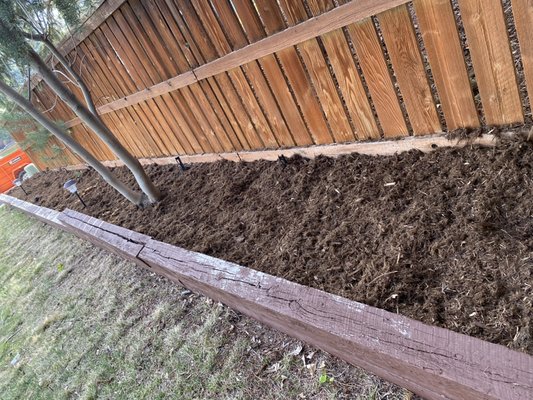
{"x": 445, "y": 237}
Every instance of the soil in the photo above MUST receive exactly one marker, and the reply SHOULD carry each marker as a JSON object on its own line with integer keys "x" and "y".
{"x": 445, "y": 237}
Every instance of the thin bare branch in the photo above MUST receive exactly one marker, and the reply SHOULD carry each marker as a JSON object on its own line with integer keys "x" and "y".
{"x": 53, "y": 105}
{"x": 66, "y": 77}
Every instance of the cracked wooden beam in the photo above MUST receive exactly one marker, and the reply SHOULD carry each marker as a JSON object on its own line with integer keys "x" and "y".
{"x": 121, "y": 241}
{"x": 433, "y": 362}
{"x": 43, "y": 214}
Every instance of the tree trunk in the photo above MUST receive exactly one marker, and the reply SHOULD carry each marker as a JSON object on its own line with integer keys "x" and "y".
{"x": 135, "y": 197}
{"x": 94, "y": 123}
{"x": 81, "y": 84}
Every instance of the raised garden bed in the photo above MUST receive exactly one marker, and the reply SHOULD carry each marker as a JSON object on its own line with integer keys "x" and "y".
{"x": 445, "y": 238}
{"x": 433, "y": 362}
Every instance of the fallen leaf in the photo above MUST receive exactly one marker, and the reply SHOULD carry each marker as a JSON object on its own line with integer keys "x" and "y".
{"x": 296, "y": 351}
{"x": 311, "y": 368}
{"x": 273, "y": 368}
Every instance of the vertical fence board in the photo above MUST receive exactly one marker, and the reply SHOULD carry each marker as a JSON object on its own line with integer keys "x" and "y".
{"x": 255, "y": 72}
{"x": 488, "y": 41}
{"x": 335, "y": 87}
{"x": 326, "y": 91}
{"x": 311, "y": 109}
{"x": 162, "y": 33}
{"x": 523, "y": 16}
{"x": 202, "y": 13}
{"x": 402, "y": 44}
{"x": 372, "y": 60}
{"x": 347, "y": 75}
{"x": 133, "y": 76}
{"x": 350, "y": 84}
{"x": 151, "y": 41}
{"x": 254, "y": 31}
{"x": 441, "y": 39}
{"x": 174, "y": 62}
{"x": 200, "y": 52}
{"x": 140, "y": 44}
{"x": 320, "y": 75}
{"x": 185, "y": 58}
{"x": 102, "y": 89}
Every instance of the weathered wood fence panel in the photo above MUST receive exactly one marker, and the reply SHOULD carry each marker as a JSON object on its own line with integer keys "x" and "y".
{"x": 192, "y": 77}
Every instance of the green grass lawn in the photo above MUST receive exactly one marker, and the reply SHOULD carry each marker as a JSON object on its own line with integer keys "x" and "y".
{"x": 77, "y": 322}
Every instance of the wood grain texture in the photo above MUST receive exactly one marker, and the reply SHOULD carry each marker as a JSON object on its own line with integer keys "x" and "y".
{"x": 433, "y": 362}
{"x": 301, "y": 86}
{"x": 122, "y": 242}
{"x": 378, "y": 78}
{"x": 171, "y": 62}
{"x": 122, "y": 54}
{"x": 156, "y": 62}
{"x": 130, "y": 75}
{"x": 316, "y": 64}
{"x": 350, "y": 84}
{"x": 402, "y": 45}
{"x": 294, "y": 77}
{"x": 185, "y": 51}
{"x": 99, "y": 70}
{"x": 43, "y": 214}
{"x": 523, "y": 16}
{"x": 334, "y": 19}
{"x": 254, "y": 99}
{"x": 273, "y": 78}
{"x": 296, "y": 74}
{"x": 488, "y": 41}
{"x": 326, "y": 91}
{"x": 441, "y": 40}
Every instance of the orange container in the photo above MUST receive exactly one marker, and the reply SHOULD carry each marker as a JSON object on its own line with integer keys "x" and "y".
{"x": 11, "y": 168}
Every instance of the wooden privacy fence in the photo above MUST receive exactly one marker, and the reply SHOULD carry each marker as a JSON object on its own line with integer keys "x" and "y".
{"x": 195, "y": 76}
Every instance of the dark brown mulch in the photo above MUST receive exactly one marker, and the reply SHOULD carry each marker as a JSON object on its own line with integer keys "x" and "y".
{"x": 445, "y": 238}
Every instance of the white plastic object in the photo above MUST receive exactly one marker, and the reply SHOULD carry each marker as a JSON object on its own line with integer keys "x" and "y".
{"x": 70, "y": 185}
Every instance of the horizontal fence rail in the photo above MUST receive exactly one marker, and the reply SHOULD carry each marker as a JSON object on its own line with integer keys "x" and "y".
{"x": 193, "y": 77}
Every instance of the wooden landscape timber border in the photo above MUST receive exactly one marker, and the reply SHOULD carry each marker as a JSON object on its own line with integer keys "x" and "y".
{"x": 382, "y": 148}
{"x": 433, "y": 362}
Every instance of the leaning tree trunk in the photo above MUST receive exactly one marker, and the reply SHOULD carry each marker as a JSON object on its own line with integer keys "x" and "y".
{"x": 95, "y": 123}
{"x": 134, "y": 197}
{"x": 81, "y": 84}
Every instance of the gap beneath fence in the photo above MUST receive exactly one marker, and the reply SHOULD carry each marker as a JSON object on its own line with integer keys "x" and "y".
{"x": 382, "y": 148}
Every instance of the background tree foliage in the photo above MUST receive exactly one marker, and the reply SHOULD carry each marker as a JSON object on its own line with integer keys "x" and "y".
{"x": 54, "y": 19}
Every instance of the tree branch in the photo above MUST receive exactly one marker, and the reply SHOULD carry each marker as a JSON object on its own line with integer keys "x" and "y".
{"x": 39, "y": 37}
{"x": 81, "y": 84}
